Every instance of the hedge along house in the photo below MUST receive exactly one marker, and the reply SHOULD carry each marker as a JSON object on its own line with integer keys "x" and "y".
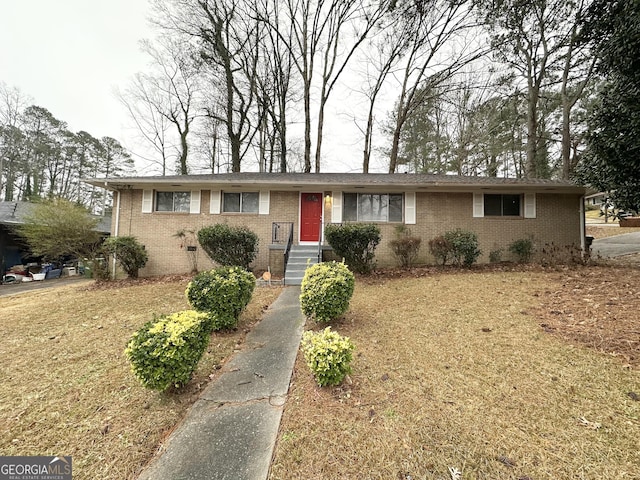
{"x": 290, "y": 210}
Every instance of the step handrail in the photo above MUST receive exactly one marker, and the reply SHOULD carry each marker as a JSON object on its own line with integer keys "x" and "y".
{"x": 287, "y": 250}
{"x": 320, "y": 239}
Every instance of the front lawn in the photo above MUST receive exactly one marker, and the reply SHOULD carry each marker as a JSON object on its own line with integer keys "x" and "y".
{"x": 497, "y": 375}
{"x": 66, "y": 384}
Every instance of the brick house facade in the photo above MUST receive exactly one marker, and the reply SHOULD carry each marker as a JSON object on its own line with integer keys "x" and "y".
{"x": 498, "y": 210}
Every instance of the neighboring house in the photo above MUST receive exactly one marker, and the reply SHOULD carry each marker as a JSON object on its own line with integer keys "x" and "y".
{"x": 13, "y": 250}
{"x": 498, "y": 210}
{"x": 596, "y": 199}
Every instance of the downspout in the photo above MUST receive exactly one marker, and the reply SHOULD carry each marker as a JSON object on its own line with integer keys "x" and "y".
{"x": 116, "y": 229}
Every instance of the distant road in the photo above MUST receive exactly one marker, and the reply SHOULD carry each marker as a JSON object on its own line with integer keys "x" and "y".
{"x": 617, "y": 245}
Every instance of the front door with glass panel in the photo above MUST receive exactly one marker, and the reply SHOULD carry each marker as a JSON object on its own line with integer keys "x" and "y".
{"x": 310, "y": 217}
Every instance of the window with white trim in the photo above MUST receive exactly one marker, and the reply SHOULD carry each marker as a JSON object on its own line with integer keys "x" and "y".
{"x": 240, "y": 202}
{"x": 372, "y": 207}
{"x": 501, "y": 205}
{"x": 173, "y": 202}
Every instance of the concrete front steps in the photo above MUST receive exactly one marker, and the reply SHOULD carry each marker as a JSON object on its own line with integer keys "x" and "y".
{"x": 300, "y": 257}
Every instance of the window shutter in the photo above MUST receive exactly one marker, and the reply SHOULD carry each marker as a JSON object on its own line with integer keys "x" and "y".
{"x": 147, "y": 201}
{"x": 194, "y": 207}
{"x": 478, "y": 205}
{"x": 263, "y": 206}
{"x": 410, "y": 208}
{"x": 529, "y": 205}
{"x": 214, "y": 202}
{"x": 336, "y": 209}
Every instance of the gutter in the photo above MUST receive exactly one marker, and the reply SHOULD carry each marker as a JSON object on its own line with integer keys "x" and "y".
{"x": 116, "y": 230}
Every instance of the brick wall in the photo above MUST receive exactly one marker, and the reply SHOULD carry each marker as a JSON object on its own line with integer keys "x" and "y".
{"x": 155, "y": 230}
{"x": 558, "y": 221}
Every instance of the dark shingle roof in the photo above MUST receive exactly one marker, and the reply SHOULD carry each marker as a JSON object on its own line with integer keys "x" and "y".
{"x": 343, "y": 180}
{"x": 14, "y": 213}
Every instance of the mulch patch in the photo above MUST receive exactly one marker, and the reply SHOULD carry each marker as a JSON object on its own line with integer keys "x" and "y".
{"x": 595, "y": 306}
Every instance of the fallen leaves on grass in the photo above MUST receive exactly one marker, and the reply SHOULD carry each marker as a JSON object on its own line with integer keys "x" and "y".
{"x": 590, "y": 425}
{"x": 597, "y": 307}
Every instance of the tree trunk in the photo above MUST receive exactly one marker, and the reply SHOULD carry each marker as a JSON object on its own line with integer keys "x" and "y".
{"x": 532, "y": 133}
{"x": 283, "y": 148}
{"x": 367, "y": 141}
{"x": 184, "y": 150}
{"x": 319, "y": 133}
{"x": 307, "y": 127}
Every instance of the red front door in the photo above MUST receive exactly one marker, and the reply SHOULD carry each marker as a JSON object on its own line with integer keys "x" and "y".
{"x": 310, "y": 216}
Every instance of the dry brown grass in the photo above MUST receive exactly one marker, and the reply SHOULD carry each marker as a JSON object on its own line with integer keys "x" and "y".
{"x": 454, "y": 370}
{"x": 66, "y": 385}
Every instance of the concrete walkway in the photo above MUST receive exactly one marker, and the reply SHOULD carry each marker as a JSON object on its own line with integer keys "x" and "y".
{"x": 617, "y": 245}
{"x": 230, "y": 432}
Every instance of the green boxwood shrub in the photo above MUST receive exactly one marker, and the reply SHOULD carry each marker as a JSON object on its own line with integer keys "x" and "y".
{"x": 229, "y": 246}
{"x": 328, "y": 355}
{"x": 166, "y": 351}
{"x": 522, "y": 249}
{"x": 129, "y": 253}
{"x": 326, "y": 291}
{"x": 222, "y": 293}
{"x": 355, "y": 242}
{"x": 464, "y": 247}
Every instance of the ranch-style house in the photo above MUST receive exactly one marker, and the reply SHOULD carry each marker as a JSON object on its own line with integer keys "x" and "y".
{"x": 293, "y": 208}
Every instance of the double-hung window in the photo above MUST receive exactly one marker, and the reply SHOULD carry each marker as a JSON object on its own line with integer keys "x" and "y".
{"x": 502, "y": 205}
{"x": 173, "y": 201}
{"x": 240, "y": 202}
{"x": 372, "y": 207}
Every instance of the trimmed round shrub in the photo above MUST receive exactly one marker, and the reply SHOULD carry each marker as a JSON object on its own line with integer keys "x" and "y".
{"x": 222, "y": 293}
{"x": 328, "y": 355}
{"x": 129, "y": 253}
{"x": 326, "y": 291}
{"x": 166, "y": 351}
{"x": 229, "y": 246}
{"x": 355, "y": 242}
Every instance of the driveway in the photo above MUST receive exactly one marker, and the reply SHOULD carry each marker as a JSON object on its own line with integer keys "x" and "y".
{"x": 22, "y": 287}
{"x": 617, "y": 245}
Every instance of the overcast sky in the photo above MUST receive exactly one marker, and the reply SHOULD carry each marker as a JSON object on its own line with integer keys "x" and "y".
{"x": 69, "y": 56}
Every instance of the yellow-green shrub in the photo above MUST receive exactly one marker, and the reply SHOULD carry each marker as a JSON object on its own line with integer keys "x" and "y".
{"x": 222, "y": 293}
{"x": 326, "y": 290}
{"x": 166, "y": 351}
{"x": 328, "y": 354}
